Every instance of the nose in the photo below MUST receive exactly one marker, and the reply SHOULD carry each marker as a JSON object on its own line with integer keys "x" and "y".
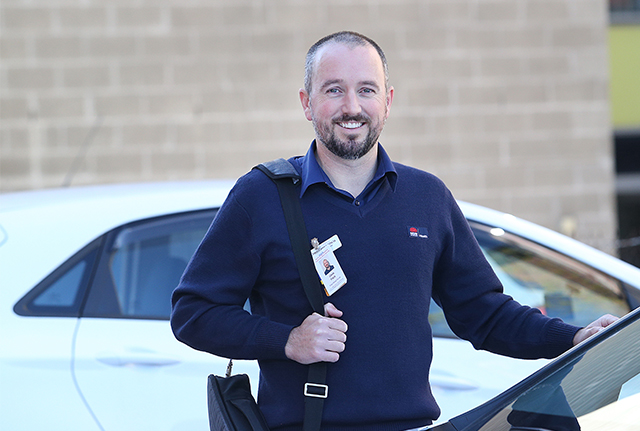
{"x": 351, "y": 105}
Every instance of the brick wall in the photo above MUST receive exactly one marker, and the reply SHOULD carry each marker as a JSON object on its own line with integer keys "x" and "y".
{"x": 505, "y": 100}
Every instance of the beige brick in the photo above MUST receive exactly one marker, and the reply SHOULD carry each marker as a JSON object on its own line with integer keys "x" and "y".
{"x": 552, "y": 175}
{"x": 60, "y": 107}
{"x": 588, "y": 90}
{"x": 529, "y": 36}
{"x": 141, "y": 74}
{"x": 448, "y": 11}
{"x": 497, "y": 10}
{"x": 411, "y": 14}
{"x": 163, "y": 46}
{"x": 293, "y": 15}
{"x": 137, "y": 134}
{"x": 87, "y": 77}
{"x": 25, "y": 18}
{"x": 550, "y": 120}
{"x": 112, "y": 46}
{"x": 200, "y": 133}
{"x": 576, "y": 36}
{"x": 521, "y": 148}
{"x": 408, "y": 125}
{"x": 284, "y": 97}
{"x": 432, "y": 38}
{"x": 272, "y": 42}
{"x": 13, "y": 47}
{"x": 547, "y": 64}
{"x": 57, "y": 47}
{"x": 224, "y": 45}
{"x": 436, "y": 95}
{"x": 118, "y": 105}
{"x": 15, "y": 140}
{"x": 196, "y": 16}
{"x": 547, "y": 10}
{"x": 164, "y": 163}
{"x": 502, "y": 65}
{"x": 30, "y": 78}
{"x": 57, "y": 165}
{"x": 587, "y": 122}
{"x": 223, "y": 101}
{"x": 249, "y": 71}
{"x": 139, "y": 17}
{"x": 83, "y": 17}
{"x": 201, "y": 73}
{"x": 527, "y": 93}
{"x": 406, "y": 69}
{"x": 117, "y": 164}
{"x": 14, "y": 166}
{"x": 449, "y": 68}
{"x": 11, "y": 108}
{"x": 513, "y": 176}
{"x": 239, "y": 14}
{"x": 171, "y": 104}
{"x": 505, "y": 122}
{"x": 70, "y": 139}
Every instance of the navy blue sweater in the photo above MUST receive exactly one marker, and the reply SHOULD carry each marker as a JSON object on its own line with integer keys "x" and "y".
{"x": 381, "y": 380}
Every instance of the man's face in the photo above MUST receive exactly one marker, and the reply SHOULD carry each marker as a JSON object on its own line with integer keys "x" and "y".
{"x": 349, "y": 103}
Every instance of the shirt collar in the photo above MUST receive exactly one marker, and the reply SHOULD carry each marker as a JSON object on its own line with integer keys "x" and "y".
{"x": 312, "y": 173}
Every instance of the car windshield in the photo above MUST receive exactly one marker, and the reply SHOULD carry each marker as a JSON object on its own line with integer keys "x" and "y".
{"x": 595, "y": 386}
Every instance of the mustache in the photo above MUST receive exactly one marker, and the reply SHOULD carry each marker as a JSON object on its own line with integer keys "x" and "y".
{"x": 360, "y": 118}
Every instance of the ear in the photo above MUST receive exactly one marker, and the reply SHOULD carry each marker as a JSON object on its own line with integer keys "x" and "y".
{"x": 389, "y": 100}
{"x": 306, "y": 103}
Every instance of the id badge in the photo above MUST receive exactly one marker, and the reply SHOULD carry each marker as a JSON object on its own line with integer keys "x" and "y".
{"x": 327, "y": 265}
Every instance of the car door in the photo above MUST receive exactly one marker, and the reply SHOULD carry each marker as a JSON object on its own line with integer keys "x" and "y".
{"x": 130, "y": 369}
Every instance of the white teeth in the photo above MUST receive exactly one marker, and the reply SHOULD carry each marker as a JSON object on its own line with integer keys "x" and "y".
{"x": 351, "y": 125}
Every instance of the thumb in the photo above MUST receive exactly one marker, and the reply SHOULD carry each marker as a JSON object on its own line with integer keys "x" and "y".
{"x": 330, "y": 310}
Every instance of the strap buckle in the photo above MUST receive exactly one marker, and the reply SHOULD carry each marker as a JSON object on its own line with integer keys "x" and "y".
{"x": 317, "y": 390}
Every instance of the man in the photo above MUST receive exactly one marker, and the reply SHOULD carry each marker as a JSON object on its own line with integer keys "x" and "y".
{"x": 378, "y": 379}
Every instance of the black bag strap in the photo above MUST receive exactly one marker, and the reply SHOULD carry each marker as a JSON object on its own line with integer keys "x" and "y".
{"x": 286, "y": 178}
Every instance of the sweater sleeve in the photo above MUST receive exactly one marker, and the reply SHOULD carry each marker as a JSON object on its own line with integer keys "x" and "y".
{"x": 207, "y": 306}
{"x": 472, "y": 297}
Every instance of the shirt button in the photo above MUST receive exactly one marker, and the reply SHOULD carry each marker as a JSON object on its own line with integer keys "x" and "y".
{"x": 357, "y": 203}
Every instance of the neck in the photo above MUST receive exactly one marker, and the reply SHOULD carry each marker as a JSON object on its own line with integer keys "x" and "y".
{"x": 348, "y": 175}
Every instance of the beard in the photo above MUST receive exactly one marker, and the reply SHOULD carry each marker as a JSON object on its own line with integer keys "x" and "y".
{"x": 351, "y": 148}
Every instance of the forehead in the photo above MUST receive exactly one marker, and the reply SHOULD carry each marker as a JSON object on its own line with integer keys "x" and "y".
{"x": 338, "y": 61}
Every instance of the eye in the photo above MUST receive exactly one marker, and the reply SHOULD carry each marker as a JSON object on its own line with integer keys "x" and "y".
{"x": 368, "y": 91}
{"x": 333, "y": 90}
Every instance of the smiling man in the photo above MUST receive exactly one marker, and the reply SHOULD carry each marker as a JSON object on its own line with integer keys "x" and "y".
{"x": 402, "y": 242}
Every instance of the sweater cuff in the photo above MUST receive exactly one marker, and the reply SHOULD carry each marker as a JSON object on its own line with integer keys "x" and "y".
{"x": 271, "y": 338}
{"x": 560, "y": 336}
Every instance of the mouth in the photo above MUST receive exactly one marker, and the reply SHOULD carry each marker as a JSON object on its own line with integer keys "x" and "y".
{"x": 351, "y": 125}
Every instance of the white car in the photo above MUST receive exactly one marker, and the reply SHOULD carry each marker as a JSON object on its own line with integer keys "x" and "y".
{"x": 86, "y": 275}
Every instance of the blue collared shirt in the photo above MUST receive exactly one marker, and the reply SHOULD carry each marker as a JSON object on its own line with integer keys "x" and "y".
{"x": 312, "y": 174}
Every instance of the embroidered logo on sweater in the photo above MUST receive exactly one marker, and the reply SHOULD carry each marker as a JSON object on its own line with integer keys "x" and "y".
{"x": 418, "y": 232}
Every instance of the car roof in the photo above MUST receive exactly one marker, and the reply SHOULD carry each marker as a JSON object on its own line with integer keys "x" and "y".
{"x": 167, "y": 196}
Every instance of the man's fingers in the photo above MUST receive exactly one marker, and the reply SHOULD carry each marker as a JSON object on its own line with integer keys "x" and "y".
{"x": 330, "y": 310}
{"x": 317, "y": 339}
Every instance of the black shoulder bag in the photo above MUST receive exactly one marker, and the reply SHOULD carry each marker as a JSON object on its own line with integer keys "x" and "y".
{"x": 231, "y": 404}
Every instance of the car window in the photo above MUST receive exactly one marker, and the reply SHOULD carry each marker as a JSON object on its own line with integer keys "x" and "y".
{"x": 61, "y": 293}
{"x": 534, "y": 275}
{"x": 143, "y": 263}
{"x": 128, "y": 272}
{"x": 595, "y": 387}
